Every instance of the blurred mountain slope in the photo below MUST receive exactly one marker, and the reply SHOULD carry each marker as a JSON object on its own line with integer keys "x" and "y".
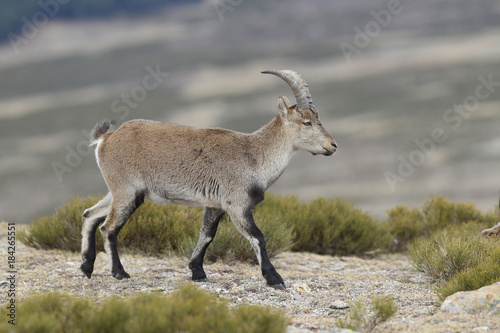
{"x": 391, "y": 94}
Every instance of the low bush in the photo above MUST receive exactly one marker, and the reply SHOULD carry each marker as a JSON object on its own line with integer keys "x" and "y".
{"x": 382, "y": 308}
{"x": 230, "y": 245}
{"x": 328, "y": 226}
{"x": 483, "y": 274}
{"x": 322, "y": 226}
{"x": 335, "y": 227}
{"x": 62, "y": 230}
{"x": 188, "y": 309}
{"x": 155, "y": 229}
{"x": 405, "y": 224}
{"x": 151, "y": 229}
{"x": 457, "y": 259}
{"x": 437, "y": 213}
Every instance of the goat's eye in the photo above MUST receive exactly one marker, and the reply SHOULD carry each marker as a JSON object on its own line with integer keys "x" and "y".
{"x": 307, "y": 123}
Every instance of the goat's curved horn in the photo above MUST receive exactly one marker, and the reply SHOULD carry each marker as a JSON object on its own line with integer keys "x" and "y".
{"x": 298, "y": 85}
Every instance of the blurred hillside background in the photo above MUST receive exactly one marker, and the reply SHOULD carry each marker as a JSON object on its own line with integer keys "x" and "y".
{"x": 409, "y": 89}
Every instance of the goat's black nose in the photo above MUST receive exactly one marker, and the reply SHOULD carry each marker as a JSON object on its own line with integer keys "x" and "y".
{"x": 334, "y": 145}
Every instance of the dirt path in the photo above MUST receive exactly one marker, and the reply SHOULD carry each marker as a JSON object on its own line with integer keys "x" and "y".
{"x": 314, "y": 282}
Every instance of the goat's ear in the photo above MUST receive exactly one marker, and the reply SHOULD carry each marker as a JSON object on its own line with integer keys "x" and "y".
{"x": 284, "y": 106}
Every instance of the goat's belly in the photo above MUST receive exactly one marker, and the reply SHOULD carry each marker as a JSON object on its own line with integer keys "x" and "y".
{"x": 177, "y": 200}
{"x": 167, "y": 200}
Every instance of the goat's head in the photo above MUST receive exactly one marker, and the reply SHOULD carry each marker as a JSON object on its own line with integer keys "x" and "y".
{"x": 301, "y": 119}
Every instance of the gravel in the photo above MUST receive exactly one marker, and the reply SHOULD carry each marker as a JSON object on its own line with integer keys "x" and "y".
{"x": 318, "y": 287}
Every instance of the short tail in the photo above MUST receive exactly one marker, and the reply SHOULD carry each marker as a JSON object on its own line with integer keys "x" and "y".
{"x": 99, "y": 130}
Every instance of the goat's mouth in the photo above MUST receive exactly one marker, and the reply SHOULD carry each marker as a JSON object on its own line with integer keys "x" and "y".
{"x": 327, "y": 152}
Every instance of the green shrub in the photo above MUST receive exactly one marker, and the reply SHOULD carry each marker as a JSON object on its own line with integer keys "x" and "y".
{"x": 156, "y": 229}
{"x": 483, "y": 274}
{"x": 161, "y": 229}
{"x": 188, "y": 309}
{"x": 437, "y": 213}
{"x": 328, "y": 226}
{"x": 151, "y": 229}
{"x": 359, "y": 319}
{"x": 230, "y": 245}
{"x": 446, "y": 253}
{"x": 457, "y": 259}
{"x": 62, "y": 229}
{"x": 322, "y": 226}
{"x": 405, "y": 224}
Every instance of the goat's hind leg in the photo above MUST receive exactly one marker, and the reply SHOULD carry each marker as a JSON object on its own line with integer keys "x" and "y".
{"x": 92, "y": 217}
{"x": 211, "y": 218}
{"x": 120, "y": 211}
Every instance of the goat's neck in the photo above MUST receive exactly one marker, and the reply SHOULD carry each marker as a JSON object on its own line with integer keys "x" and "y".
{"x": 272, "y": 149}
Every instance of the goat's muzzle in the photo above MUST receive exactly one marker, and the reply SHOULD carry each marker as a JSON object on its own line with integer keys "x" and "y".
{"x": 330, "y": 150}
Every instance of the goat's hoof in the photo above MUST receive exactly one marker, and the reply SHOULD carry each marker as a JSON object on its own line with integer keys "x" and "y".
{"x": 274, "y": 280}
{"x": 87, "y": 269}
{"x": 279, "y": 286}
{"x": 121, "y": 275}
{"x": 198, "y": 275}
{"x": 201, "y": 280}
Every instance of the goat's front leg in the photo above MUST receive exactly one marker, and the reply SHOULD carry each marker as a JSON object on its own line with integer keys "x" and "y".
{"x": 211, "y": 218}
{"x": 245, "y": 223}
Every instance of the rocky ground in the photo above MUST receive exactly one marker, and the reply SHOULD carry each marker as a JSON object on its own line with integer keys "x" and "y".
{"x": 314, "y": 284}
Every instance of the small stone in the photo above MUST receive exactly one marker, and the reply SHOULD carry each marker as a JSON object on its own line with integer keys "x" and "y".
{"x": 301, "y": 287}
{"x": 339, "y": 305}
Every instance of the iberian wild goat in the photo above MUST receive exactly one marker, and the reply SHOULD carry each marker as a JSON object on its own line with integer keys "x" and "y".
{"x": 221, "y": 170}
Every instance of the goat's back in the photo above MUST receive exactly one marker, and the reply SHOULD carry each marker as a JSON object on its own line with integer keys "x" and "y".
{"x": 174, "y": 161}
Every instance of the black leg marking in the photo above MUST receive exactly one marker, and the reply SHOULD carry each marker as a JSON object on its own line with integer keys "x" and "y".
{"x": 117, "y": 269}
{"x": 272, "y": 277}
